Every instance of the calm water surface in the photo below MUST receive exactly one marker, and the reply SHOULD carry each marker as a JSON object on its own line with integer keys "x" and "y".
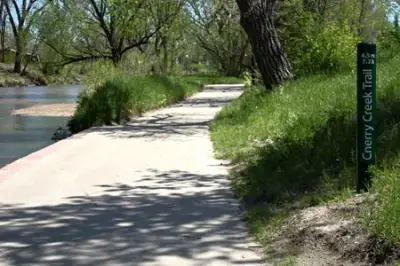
{"x": 21, "y": 135}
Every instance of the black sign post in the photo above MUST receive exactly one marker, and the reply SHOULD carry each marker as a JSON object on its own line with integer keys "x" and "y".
{"x": 366, "y": 115}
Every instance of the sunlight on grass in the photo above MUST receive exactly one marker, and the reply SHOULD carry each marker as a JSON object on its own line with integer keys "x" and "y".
{"x": 296, "y": 147}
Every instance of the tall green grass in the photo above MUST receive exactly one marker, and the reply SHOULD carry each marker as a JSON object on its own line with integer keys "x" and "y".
{"x": 296, "y": 146}
{"x": 119, "y": 97}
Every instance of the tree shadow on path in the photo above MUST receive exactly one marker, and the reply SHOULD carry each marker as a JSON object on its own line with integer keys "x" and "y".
{"x": 149, "y": 222}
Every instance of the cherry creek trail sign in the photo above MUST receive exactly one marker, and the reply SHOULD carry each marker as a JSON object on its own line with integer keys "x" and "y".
{"x": 366, "y": 114}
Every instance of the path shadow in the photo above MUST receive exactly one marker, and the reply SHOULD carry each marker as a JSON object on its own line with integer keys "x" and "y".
{"x": 129, "y": 224}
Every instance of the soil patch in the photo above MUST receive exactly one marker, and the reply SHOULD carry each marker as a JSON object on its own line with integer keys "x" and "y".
{"x": 58, "y": 109}
{"x": 331, "y": 235}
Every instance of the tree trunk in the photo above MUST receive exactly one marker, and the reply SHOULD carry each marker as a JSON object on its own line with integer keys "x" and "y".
{"x": 116, "y": 56}
{"x": 257, "y": 19}
{"x": 18, "y": 56}
{"x": 2, "y": 41}
{"x": 165, "y": 59}
{"x": 2, "y": 30}
{"x": 253, "y": 69}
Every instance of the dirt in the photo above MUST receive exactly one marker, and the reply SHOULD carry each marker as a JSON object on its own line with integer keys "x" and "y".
{"x": 331, "y": 235}
{"x": 58, "y": 109}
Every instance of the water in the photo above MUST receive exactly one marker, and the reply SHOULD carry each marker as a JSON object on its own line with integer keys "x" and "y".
{"x": 20, "y": 134}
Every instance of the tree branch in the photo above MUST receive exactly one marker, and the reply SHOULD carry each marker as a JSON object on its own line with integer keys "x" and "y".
{"x": 11, "y": 19}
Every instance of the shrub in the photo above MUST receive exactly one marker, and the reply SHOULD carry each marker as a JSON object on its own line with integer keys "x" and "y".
{"x": 322, "y": 44}
{"x": 99, "y": 72}
{"x": 333, "y": 49}
{"x": 383, "y": 218}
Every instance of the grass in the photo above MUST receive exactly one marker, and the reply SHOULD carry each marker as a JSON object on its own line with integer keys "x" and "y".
{"x": 295, "y": 147}
{"x": 384, "y": 219}
{"x": 10, "y": 79}
{"x": 118, "y": 98}
{"x": 286, "y": 262}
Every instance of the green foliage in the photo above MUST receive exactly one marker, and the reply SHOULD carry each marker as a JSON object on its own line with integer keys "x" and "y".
{"x": 216, "y": 27}
{"x": 290, "y": 261}
{"x": 9, "y": 57}
{"x": 100, "y": 71}
{"x": 50, "y": 69}
{"x": 383, "y": 218}
{"x": 247, "y": 79}
{"x": 321, "y": 46}
{"x": 120, "y": 97}
{"x": 11, "y": 79}
{"x": 296, "y": 145}
{"x": 332, "y": 49}
{"x": 198, "y": 68}
{"x": 388, "y": 42}
{"x": 252, "y": 79}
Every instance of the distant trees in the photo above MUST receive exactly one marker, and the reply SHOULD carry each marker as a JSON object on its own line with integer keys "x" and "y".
{"x": 216, "y": 28}
{"x": 22, "y": 15}
{"x": 108, "y": 28}
{"x": 282, "y": 39}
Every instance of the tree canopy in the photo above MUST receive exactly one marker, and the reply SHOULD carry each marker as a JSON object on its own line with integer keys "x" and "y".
{"x": 287, "y": 39}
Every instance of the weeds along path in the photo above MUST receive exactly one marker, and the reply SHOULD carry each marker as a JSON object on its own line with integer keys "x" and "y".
{"x": 148, "y": 193}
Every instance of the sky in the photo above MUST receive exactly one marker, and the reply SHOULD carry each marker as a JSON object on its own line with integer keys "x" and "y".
{"x": 397, "y": 9}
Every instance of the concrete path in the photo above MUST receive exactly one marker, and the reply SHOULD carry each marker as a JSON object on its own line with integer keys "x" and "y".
{"x": 148, "y": 193}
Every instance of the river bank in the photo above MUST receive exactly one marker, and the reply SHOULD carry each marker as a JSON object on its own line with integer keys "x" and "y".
{"x": 34, "y": 77}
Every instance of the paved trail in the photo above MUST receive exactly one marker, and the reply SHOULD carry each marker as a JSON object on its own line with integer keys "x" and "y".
{"x": 148, "y": 193}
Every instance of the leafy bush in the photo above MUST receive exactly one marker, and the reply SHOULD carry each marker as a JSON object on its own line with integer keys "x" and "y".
{"x": 388, "y": 42}
{"x": 50, "y": 69}
{"x": 330, "y": 49}
{"x": 333, "y": 49}
{"x": 321, "y": 45}
{"x": 100, "y": 71}
{"x": 383, "y": 218}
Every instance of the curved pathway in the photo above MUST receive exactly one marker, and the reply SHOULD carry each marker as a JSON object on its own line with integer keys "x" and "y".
{"x": 148, "y": 193}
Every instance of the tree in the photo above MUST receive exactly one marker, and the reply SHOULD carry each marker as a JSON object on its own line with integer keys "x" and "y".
{"x": 26, "y": 11}
{"x": 216, "y": 26}
{"x": 396, "y": 20}
{"x": 168, "y": 42}
{"x": 109, "y": 28}
{"x": 3, "y": 19}
{"x": 258, "y": 20}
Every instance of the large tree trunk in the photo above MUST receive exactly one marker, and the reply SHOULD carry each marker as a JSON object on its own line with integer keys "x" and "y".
{"x": 257, "y": 19}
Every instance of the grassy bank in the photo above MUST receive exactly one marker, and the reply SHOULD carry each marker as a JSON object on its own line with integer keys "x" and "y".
{"x": 119, "y": 98}
{"x": 34, "y": 76}
{"x": 295, "y": 147}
